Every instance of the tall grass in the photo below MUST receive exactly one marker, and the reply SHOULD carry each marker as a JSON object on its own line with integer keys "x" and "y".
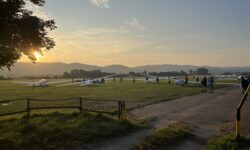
{"x": 165, "y": 138}
{"x": 60, "y": 131}
{"x": 228, "y": 142}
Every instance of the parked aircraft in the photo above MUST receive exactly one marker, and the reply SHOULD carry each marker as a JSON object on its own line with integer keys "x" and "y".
{"x": 180, "y": 82}
{"x": 177, "y": 81}
{"x": 41, "y": 83}
{"x": 90, "y": 82}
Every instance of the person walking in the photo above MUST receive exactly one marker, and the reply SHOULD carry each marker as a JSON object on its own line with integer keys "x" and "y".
{"x": 204, "y": 84}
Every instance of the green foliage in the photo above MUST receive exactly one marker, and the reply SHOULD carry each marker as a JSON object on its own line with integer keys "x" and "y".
{"x": 202, "y": 71}
{"x": 228, "y": 142}
{"x": 79, "y": 73}
{"x": 58, "y": 131}
{"x": 21, "y": 32}
{"x": 164, "y": 138}
{"x": 169, "y": 73}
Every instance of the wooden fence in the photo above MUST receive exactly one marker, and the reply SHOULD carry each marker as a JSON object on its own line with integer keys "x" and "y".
{"x": 111, "y": 107}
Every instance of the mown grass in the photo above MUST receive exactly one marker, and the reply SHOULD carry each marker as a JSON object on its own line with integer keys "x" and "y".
{"x": 134, "y": 94}
{"x": 60, "y": 131}
{"x": 228, "y": 142}
{"x": 112, "y": 90}
{"x": 166, "y": 138}
{"x": 228, "y": 81}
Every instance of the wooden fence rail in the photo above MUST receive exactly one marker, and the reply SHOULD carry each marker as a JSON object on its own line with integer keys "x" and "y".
{"x": 120, "y": 112}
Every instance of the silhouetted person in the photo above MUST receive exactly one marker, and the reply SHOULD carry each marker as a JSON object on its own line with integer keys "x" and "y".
{"x": 244, "y": 84}
{"x": 169, "y": 81}
{"x": 186, "y": 79}
{"x": 211, "y": 84}
{"x": 121, "y": 79}
{"x": 134, "y": 80}
{"x": 147, "y": 79}
{"x": 197, "y": 79}
{"x": 204, "y": 84}
{"x": 157, "y": 80}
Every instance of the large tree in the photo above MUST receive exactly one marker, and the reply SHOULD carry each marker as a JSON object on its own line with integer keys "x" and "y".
{"x": 202, "y": 71}
{"x": 21, "y": 32}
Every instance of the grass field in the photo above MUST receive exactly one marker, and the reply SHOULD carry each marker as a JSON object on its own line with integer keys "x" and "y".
{"x": 69, "y": 128}
{"x": 112, "y": 90}
{"x": 136, "y": 94}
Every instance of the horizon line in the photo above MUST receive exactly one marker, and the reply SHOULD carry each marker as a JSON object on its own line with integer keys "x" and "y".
{"x": 131, "y": 66}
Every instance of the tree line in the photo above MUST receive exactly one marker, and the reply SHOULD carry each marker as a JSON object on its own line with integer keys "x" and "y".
{"x": 79, "y": 73}
{"x": 199, "y": 71}
{"x": 168, "y": 73}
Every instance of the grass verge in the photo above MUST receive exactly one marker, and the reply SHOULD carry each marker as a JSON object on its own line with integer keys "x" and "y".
{"x": 228, "y": 142}
{"x": 165, "y": 138}
{"x": 60, "y": 131}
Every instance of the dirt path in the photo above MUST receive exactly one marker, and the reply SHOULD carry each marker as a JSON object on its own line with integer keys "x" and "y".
{"x": 207, "y": 114}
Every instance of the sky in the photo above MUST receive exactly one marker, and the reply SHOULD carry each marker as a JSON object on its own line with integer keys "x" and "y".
{"x": 142, "y": 32}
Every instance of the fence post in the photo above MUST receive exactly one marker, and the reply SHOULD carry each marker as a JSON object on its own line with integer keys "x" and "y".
{"x": 124, "y": 105}
{"x": 119, "y": 109}
{"x": 123, "y": 110}
{"x": 28, "y": 107}
{"x": 80, "y": 105}
{"x": 238, "y": 124}
{"x": 239, "y": 112}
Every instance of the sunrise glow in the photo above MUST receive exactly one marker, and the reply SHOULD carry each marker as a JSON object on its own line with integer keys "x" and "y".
{"x": 37, "y": 55}
{"x": 185, "y": 34}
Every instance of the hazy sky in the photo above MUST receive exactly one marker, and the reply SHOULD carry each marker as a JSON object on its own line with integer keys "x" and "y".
{"x": 138, "y": 32}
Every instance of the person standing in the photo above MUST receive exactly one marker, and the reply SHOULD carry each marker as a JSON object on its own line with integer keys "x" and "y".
{"x": 169, "y": 80}
{"x": 134, "y": 80}
{"x": 186, "y": 79}
{"x": 211, "y": 84}
{"x": 204, "y": 84}
{"x": 157, "y": 80}
{"x": 121, "y": 79}
{"x": 197, "y": 79}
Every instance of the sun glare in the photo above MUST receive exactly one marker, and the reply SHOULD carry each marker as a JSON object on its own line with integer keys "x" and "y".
{"x": 37, "y": 55}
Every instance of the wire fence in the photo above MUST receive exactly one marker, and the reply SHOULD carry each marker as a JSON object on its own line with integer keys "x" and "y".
{"x": 26, "y": 105}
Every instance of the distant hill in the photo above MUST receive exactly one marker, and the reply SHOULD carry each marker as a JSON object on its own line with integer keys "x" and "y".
{"x": 58, "y": 68}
